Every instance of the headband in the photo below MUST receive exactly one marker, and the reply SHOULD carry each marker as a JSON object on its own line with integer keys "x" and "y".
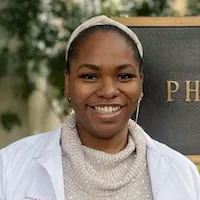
{"x": 103, "y": 20}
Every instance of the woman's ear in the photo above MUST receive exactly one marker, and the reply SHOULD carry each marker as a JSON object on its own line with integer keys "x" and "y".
{"x": 66, "y": 89}
{"x": 142, "y": 77}
{"x": 141, "y": 95}
{"x": 142, "y": 80}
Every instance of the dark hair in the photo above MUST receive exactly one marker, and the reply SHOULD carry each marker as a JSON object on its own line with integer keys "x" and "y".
{"x": 73, "y": 50}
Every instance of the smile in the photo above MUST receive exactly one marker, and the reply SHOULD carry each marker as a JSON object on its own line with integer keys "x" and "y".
{"x": 106, "y": 109}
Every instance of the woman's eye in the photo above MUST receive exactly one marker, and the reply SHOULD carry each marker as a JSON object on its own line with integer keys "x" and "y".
{"x": 125, "y": 76}
{"x": 89, "y": 76}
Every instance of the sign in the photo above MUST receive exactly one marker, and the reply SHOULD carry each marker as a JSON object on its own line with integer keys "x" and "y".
{"x": 170, "y": 109}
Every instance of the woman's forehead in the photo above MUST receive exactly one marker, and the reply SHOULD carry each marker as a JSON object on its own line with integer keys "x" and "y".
{"x": 103, "y": 43}
{"x": 100, "y": 35}
{"x": 101, "y": 31}
{"x": 104, "y": 50}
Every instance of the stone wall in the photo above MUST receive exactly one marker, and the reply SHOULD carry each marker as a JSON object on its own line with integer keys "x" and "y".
{"x": 35, "y": 114}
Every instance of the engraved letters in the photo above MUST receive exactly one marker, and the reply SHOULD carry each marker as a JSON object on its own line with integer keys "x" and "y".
{"x": 172, "y": 87}
{"x": 190, "y": 89}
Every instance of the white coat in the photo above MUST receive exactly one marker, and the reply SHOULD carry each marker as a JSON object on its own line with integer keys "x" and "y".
{"x": 31, "y": 169}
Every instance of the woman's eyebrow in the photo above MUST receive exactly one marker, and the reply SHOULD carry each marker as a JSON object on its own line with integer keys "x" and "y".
{"x": 89, "y": 66}
{"x": 124, "y": 66}
{"x": 95, "y": 67}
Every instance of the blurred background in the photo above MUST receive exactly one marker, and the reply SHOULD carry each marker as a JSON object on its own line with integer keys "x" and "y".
{"x": 33, "y": 36}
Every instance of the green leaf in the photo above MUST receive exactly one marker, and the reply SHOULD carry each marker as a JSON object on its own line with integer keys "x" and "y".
{"x": 9, "y": 120}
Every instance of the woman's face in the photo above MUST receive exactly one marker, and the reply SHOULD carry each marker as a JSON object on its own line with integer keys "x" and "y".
{"x": 104, "y": 85}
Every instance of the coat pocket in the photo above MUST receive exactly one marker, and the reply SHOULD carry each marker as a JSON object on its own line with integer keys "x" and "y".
{"x": 41, "y": 187}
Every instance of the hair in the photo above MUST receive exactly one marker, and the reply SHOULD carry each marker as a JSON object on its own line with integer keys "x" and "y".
{"x": 74, "y": 47}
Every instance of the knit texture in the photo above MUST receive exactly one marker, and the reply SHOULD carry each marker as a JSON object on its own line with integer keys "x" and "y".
{"x": 91, "y": 174}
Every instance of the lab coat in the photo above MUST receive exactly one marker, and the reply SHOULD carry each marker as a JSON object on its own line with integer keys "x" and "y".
{"x": 31, "y": 169}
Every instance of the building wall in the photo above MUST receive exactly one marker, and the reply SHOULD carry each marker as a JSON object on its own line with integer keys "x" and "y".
{"x": 35, "y": 114}
{"x": 180, "y": 6}
{"x": 8, "y": 103}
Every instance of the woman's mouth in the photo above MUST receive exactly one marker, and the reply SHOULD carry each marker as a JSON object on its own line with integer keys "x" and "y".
{"x": 106, "y": 109}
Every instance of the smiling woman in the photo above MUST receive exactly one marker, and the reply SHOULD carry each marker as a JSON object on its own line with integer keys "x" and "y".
{"x": 104, "y": 85}
{"x": 99, "y": 152}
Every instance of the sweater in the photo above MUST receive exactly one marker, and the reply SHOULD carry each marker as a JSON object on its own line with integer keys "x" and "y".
{"x": 92, "y": 174}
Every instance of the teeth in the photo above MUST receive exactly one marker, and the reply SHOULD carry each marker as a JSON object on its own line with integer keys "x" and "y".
{"x": 106, "y": 109}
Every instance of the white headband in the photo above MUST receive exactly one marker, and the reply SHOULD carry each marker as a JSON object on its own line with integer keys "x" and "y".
{"x": 103, "y": 20}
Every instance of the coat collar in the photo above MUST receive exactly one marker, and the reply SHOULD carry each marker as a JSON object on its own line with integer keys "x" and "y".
{"x": 49, "y": 142}
{"x": 150, "y": 142}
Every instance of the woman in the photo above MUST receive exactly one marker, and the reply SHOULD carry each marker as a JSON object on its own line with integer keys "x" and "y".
{"x": 98, "y": 152}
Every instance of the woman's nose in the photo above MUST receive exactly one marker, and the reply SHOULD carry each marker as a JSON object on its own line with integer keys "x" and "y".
{"x": 108, "y": 89}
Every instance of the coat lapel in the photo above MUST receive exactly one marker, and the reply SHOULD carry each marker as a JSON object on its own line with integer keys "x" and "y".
{"x": 50, "y": 160}
{"x": 158, "y": 167}
{"x": 158, "y": 171}
{"x": 41, "y": 186}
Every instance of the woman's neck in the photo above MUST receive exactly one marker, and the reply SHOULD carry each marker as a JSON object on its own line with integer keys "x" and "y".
{"x": 109, "y": 145}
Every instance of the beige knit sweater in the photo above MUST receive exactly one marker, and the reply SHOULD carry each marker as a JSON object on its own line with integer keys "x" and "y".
{"x": 90, "y": 174}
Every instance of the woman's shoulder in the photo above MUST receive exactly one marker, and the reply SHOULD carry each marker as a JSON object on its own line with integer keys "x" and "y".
{"x": 173, "y": 157}
{"x": 170, "y": 155}
{"x": 30, "y": 144}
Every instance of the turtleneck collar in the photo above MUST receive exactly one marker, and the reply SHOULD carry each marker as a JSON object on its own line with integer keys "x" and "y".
{"x": 99, "y": 171}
